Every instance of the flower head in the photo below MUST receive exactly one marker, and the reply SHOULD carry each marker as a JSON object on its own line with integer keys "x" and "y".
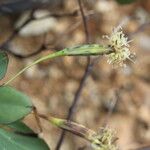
{"x": 119, "y": 43}
{"x": 105, "y": 140}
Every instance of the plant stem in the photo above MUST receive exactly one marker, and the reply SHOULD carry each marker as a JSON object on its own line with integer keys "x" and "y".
{"x": 53, "y": 55}
{"x": 83, "y": 50}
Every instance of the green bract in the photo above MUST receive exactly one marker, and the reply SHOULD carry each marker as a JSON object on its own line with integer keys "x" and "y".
{"x": 82, "y": 50}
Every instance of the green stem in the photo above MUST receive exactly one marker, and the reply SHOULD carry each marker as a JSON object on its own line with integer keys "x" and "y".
{"x": 53, "y": 55}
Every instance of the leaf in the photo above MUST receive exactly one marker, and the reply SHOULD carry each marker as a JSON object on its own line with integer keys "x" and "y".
{"x": 3, "y": 64}
{"x": 14, "y": 105}
{"x": 12, "y": 141}
{"x": 19, "y": 126}
{"x": 125, "y": 1}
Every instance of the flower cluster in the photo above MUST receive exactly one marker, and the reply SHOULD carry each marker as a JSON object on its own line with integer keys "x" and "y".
{"x": 119, "y": 43}
{"x": 105, "y": 140}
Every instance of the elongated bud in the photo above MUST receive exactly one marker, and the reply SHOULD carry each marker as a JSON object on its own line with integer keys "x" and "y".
{"x": 88, "y": 49}
{"x": 105, "y": 140}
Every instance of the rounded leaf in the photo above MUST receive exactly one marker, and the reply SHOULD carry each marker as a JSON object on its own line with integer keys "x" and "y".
{"x": 14, "y": 105}
{"x": 17, "y": 141}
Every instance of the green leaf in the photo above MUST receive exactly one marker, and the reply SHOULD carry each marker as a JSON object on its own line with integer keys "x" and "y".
{"x": 13, "y": 141}
{"x": 19, "y": 126}
{"x": 125, "y": 1}
{"x": 3, "y": 64}
{"x": 14, "y": 105}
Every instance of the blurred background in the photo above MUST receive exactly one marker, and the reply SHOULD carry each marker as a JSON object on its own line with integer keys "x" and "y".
{"x": 118, "y": 97}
